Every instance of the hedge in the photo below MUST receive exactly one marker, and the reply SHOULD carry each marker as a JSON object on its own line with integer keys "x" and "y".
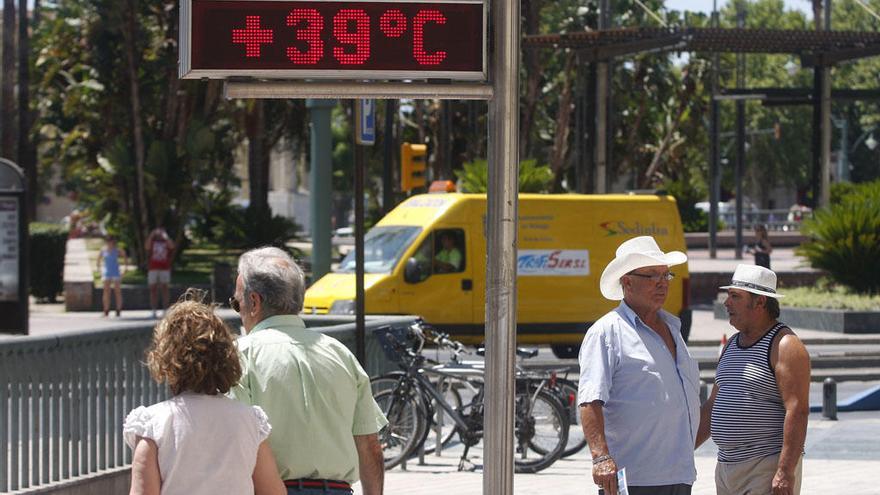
{"x": 48, "y": 245}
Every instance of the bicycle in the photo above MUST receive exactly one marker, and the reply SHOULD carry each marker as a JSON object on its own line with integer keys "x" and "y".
{"x": 540, "y": 418}
{"x": 567, "y": 390}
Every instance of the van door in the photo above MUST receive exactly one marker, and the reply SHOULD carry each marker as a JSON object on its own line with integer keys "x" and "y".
{"x": 438, "y": 282}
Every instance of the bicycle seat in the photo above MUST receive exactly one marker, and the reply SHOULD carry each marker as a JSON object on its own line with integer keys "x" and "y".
{"x": 521, "y": 352}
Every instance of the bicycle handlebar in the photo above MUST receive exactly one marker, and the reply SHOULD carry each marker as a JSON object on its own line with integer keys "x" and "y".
{"x": 425, "y": 332}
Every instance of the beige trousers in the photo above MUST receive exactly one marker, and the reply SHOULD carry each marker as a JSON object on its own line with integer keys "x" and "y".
{"x": 753, "y": 477}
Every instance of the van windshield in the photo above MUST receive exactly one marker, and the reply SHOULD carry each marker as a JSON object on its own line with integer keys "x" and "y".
{"x": 383, "y": 247}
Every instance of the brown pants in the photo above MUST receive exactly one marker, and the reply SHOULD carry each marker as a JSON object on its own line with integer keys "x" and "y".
{"x": 752, "y": 477}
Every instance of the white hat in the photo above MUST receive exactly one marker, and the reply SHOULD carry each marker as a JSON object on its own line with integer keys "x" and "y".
{"x": 755, "y": 279}
{"x": 635, "y": 253}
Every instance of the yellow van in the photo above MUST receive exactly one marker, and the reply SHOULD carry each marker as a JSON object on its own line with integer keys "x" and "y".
{"x": 427, "y": 257}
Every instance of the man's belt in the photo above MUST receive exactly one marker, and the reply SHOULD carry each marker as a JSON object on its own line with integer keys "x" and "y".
{"x": 318, "y": 483}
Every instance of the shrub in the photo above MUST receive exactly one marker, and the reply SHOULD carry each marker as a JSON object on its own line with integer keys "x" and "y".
{"x": 48, "y": 245}
{"x": 533, "y": 178}
{"x": 845, "y": 239}
{"x": 686, "y": 197}
{"x": 840, "y": 190}
{"x": 245, "y": 228}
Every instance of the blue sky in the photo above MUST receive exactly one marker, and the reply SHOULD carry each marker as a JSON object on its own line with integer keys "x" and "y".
{"x": 706, "y": 5}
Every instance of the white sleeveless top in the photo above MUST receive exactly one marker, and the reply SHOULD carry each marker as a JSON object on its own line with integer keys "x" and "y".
{"x": 207, "y": 443}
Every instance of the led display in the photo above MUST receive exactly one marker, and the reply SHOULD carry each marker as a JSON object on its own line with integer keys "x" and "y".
{"x": 334, "y": 39}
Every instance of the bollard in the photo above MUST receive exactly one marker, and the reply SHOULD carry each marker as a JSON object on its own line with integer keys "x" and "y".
{"x": 829, "y": 399}
{"x": 704, "y": 392}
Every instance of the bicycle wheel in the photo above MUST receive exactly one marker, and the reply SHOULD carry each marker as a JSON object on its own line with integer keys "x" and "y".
{"x": 567, "y": 391}
{"x": 406, "y": 424}
{"x": 388, "y": 381}
{"x": 540, "y": 422}
{"x": 440, "y": 417}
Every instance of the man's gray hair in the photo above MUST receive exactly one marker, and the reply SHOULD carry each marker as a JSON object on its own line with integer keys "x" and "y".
{"x": 275, "y": 277}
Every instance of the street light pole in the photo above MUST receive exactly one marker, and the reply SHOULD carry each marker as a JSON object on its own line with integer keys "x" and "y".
{"x": 740, "y": 138}
{"x": 714, "y": 175}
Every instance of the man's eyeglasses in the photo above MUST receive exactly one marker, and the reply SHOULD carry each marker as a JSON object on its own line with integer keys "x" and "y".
{"x": 233, "y": 303}
{"x": 668, "y": 276}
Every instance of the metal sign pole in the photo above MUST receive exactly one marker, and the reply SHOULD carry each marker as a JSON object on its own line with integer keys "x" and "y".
{"x": 365, "y": 134}
{"x": 501, "y": 246}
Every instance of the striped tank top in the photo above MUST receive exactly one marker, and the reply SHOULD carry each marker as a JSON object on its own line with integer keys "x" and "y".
{"x": 748, "y": 414}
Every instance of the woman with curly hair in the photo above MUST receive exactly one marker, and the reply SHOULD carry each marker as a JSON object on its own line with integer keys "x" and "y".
{"x": 199, "y": 441}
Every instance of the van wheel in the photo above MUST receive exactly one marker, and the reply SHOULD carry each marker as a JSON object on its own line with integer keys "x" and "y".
{"x": 566, "y": 351}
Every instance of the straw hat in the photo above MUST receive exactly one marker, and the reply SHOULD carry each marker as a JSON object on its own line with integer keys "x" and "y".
{"x": 755, "y": 279}
{"x": 635, "y": 253}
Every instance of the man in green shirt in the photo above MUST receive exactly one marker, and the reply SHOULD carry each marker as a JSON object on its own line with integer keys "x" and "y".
{"x": 312, "y": 388}
{"x": 448, "y": 259}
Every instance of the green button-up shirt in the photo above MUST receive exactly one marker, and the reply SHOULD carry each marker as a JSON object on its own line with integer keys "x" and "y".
{"x": 316, "y": 394}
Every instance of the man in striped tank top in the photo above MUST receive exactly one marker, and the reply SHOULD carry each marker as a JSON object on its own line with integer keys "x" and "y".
{"x": 757, "y": 413}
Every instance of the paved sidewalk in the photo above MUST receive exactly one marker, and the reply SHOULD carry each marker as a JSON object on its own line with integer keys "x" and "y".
{"x": 841, "y": 457}
{"x": 49, "y": 319}
{"x": 782, "y": 260}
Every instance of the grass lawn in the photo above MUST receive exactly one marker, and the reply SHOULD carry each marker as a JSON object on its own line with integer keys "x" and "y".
{"x": 828, "y": 298}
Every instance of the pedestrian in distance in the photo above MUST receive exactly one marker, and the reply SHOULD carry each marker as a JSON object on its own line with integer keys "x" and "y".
{"x": 111, "y": 273}
{"x": 639, "y": 388}
{"x": 313, "y": 389}
{"x": 757, "y": 412}
{"x": 199, "y": 441}
{"x": 762, "y": 247}
{"x": 160, "y": 250}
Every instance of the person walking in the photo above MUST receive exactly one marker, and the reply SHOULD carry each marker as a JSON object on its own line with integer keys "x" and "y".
{"x": 160, "y": 249}
{"x": 111, "y": 274}
{"x": 313, "y": 389}
{"x": 639, "y": 388}
{"x": 757, "y": 412}
{"x": 762, "y": 247}
{"x": 199, "y": 441}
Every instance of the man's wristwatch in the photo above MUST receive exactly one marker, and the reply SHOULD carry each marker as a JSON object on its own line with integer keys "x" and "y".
{"x": 601, "y": 458}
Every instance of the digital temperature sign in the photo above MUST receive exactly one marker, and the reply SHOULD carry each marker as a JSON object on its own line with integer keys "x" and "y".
{"x": 362, "y": 40}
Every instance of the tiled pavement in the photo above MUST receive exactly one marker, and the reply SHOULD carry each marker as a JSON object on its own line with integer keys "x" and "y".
{"x": 842, "y": 457}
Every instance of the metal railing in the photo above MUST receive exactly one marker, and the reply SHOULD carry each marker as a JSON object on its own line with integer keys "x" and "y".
{"x": 779, "y": 220}
{"x": 63, "y": 398}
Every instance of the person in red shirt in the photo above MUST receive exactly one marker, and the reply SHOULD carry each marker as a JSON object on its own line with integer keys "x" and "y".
{"x": 160, "y": 248}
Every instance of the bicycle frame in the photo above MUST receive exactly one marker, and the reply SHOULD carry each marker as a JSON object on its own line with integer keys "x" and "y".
{"x": 425, "y": 384}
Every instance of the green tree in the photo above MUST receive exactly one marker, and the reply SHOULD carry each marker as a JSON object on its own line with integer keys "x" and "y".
{"x": 533, "y": 178}
{"x": 135, "y": 143}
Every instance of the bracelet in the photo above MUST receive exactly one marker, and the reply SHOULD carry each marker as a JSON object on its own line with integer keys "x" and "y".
{"x": 601, "y": 458}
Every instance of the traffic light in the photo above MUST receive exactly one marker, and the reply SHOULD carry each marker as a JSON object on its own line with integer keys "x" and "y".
{"x": 412, "y": 166}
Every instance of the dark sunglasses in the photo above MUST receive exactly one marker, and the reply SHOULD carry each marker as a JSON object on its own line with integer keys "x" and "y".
{"x": 233, "y": 303}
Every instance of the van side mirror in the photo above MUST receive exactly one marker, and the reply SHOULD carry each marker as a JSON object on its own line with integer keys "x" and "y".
{"x": 412, "y": 271}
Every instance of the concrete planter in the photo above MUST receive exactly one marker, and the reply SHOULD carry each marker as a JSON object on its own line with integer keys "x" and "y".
{"x": 829, "y": 320}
